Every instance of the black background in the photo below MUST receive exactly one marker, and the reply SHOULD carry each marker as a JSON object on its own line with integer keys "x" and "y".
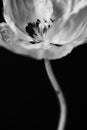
{"x": 27, "y": 99}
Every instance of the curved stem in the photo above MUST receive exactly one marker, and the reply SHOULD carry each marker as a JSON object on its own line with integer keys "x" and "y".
{"x": 59, "y": 94}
